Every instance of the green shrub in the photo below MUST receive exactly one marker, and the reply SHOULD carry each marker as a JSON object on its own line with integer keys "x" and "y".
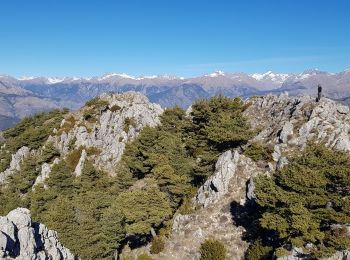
{"x": 139, "y": 221}
{"x": 97, "y": 103}
{"x": 157, "y": 245}
{"x": 90, "y": 115}
{"x": 281, "y": 252}
{"x": 186, "y": 207}
{"x": 73, "y": 157}
{"x": 93, "y": 151}
{"x": 257, "y": 152}
{"x": 128, "y": 122}
{"x": 257, "y": 251}
{"x": 293, "y": 202}
{"x": 144, "y": 256}
{"x": 32, "y": 131}
{"x": 212, "y": 250}
{"x": 115, "y": 108}
{"x": 49, "y": 153}
{"x": 67, "y": 126}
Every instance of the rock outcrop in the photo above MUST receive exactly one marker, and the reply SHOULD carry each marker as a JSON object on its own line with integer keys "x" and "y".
{"x": 299, "y": 254}
{"x": 217, "y": 185}
{"x": 21, "y": 238}
{"x": 15, "y": 164}
{"x": 45, "y": 171}
{"x": 288, "y": 123}
{"x": 115, "y": 124}
{"x": 215, "y": 220}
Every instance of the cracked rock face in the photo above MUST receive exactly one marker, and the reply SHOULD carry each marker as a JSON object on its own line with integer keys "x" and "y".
{"x": 215, "y": 220}
{"x": 20, "y": 238}
{"x": 109, "y": 133}
{"x": 289, "y": 123}
{"x": 15, "y": 164}
{"x": 217, "y": 185}
{"x": 45, "y": 171}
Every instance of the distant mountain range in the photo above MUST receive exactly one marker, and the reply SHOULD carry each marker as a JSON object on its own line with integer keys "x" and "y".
{"x": 27, "y": 95}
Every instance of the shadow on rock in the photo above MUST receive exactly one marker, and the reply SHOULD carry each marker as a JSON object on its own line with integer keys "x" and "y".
{"x": 246, "y": 216}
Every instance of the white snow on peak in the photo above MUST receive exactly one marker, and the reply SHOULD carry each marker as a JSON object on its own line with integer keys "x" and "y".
{"x": 271, "y": 76}
{"x": 216, "y": 74}
{"x": 26, "y": 78}
{"x": 54, "y": 80}
{"x": 308, "y": 73}
{"x": 110, "y": 75}
{"x": 148, "y": 77}
{"x": 126, "y": 76}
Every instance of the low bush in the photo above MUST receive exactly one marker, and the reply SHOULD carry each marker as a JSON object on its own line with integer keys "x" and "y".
{"x": 128, "y": 122}
{"x": 212, "y": 249}
{"x": 67, "y": 126}
{"x": 257, "y": 251}
{"x": 73, "y": 157}
{"x": 157, "y": 245}
{"x": 144, "y": 256}
{"x": 257, "y": 152}
{"x": 115, "y": 108}
{"x": 97, "y": 103}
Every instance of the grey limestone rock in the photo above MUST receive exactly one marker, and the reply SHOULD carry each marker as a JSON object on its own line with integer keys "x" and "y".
{"x": 21, "y": 238}
{"x": 109, "y": 133}
{"x": 45, "y": 171}
{"x": 298, "y": 254}
{"x": 217, "y": 185}
{"x": 79, "y": 168}
{"x": 15, "y": 164}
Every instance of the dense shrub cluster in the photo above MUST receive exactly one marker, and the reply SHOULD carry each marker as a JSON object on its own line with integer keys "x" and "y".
{"x": 258, "y": 152}
{"x": 308, "y": 201}
{"x": 31, "y": 131}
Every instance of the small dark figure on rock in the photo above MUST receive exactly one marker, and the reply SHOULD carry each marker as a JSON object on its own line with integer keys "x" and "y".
{"x": 319, "y": 93}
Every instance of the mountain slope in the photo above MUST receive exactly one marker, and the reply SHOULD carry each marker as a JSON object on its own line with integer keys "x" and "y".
{"x": 120, "y": 176}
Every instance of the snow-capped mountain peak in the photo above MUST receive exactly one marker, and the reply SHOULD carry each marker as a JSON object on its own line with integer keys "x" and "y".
{"x": 111, "y": 75}
{"x": 276, "y": 77}
{"x": 54, "y": 80}
{"x": 216, "y": 74}
{"x": 26, "y": 78}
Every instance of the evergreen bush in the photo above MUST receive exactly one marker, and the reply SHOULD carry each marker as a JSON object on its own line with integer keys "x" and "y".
{"x": 212, "y": 250}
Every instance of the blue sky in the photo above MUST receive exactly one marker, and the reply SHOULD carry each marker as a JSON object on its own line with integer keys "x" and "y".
{"x": 184, "y": 38}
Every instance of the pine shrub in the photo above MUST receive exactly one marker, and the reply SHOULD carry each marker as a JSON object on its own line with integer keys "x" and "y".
{"x": 157, "y": 245}
{"x": 212, "y": 250}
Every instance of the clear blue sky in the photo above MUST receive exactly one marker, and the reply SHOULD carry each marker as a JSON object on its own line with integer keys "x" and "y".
{"x": 184, "y": 38}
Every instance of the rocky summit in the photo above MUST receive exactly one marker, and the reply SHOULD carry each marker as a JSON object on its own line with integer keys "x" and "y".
{"x": 129, "y": 168}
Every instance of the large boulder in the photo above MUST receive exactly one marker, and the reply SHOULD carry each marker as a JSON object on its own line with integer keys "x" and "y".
{"x": 21, "y": 238}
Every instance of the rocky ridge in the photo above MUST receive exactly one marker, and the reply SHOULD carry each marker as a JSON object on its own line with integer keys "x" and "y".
{"x": 285, "y": 124}
{"x": 101, "y": 137}
{"x": 109, "y": 132}
{"x": 288, "y": 123}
